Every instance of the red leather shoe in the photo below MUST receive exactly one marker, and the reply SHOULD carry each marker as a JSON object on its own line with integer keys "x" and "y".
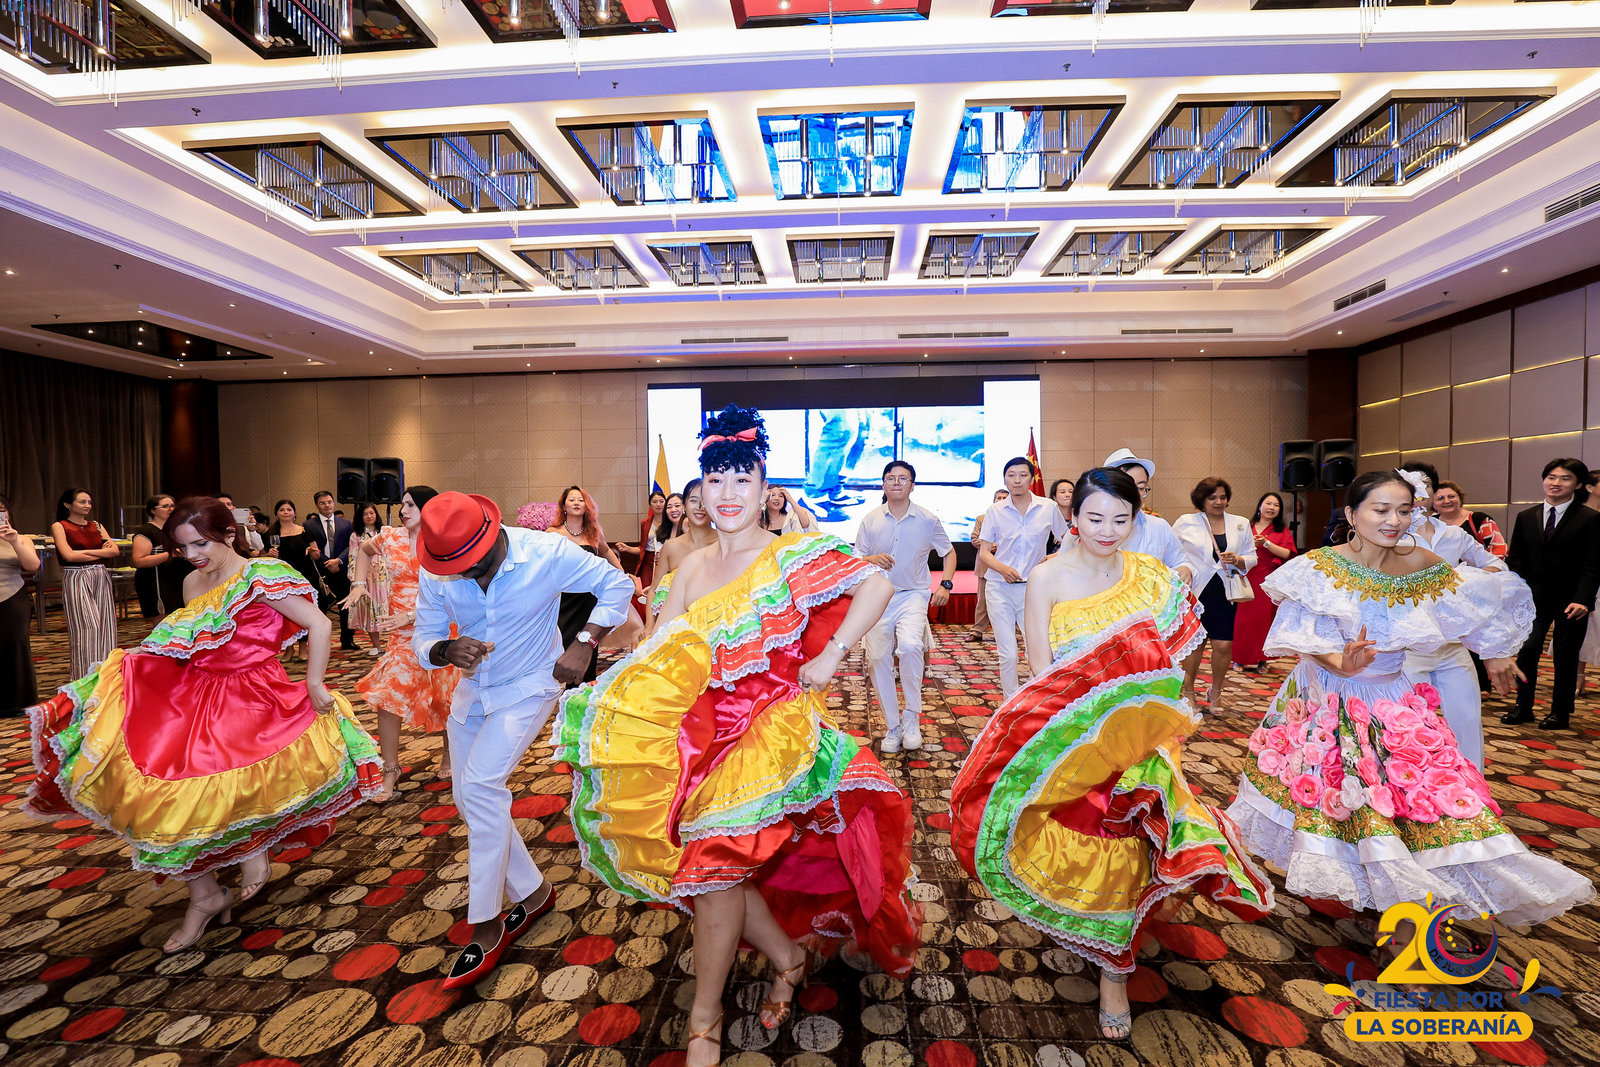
{"x": 520, "y": 918}
{"x": 474, "y": 964}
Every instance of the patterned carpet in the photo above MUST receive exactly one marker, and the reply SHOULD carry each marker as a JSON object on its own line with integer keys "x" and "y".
{"x": 340, "y": 961}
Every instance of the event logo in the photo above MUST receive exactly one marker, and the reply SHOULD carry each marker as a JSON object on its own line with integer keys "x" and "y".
{"x": 1438, "y": 954}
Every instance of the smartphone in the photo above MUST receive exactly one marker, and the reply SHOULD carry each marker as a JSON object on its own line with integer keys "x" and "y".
{"x": 5, "y": 517}
{"x": 243, "y": 518}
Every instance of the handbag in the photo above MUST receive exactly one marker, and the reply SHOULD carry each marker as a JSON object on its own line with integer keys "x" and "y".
{"x": 1236, "y": 587}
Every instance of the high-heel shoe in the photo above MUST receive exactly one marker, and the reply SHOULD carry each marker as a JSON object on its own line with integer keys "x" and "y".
{"x": 706, "y": 1035}
{"x": 391, "y": 782}
{"x": 177, "y": 942}
{"x": 779, "y": 1010}
{"x": 1115, "y": 1020}
{"x": 249, "y": 890}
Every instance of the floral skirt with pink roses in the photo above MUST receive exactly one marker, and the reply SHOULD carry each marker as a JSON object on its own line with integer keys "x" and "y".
{"x": 1356, "y": 790}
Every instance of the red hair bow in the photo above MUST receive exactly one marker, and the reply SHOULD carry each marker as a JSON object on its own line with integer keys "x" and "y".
{"x": 742, "y": 435}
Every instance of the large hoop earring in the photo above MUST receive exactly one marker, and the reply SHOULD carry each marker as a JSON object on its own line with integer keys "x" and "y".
{"x": 1412, "y": 547}
{"x": 1354, "y": 540}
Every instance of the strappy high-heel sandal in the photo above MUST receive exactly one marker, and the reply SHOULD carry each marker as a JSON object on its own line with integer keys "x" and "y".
{"x": 779, "y": 1010}
{"x": 178, "y": 941}
{"x": 706, "y": 1035}
{"x": 249, "y": 890}
{"x": 386, "y": 794}
{"x": 1115, "y": 1020}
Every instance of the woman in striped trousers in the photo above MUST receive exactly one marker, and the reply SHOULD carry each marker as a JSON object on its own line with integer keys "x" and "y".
{"x": 84, "y": 549}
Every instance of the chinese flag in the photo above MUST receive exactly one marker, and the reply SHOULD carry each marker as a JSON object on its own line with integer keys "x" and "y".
{"x": 1038, "y": 474}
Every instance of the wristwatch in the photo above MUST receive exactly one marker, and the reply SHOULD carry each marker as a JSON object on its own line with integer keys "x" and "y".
{"x": 584, "y": 637}
{"x": 840, "y": 645}
{"x": 947, "y": 584}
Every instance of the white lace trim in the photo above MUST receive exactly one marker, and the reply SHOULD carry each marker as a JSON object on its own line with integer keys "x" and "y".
{"x": 1519, "y": 888}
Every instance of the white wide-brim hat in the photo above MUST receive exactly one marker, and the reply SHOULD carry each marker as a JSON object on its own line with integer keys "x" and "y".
{"x": 1122, "y": 457}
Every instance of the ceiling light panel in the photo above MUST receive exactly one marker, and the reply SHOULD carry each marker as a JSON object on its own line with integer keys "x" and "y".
{"x": 287, "y": 29}
{"x": 84, "y": 36}
{"x": 756, "y": 13}
{"x": 1034, "y": 146}
{"x": 1217, "y": 145}
{"x": 1084, "y": 7}
{"x": 837, "y": 260}
{"x": 457, "y": 273}
{"x": 968, "y": 256}
{"x": 144, "y": 338}
{"x": 1406, "y": 137}
{"x": 595, "y": 267}
{"x": 308, "y": 176}
{"x": 1245, "y": 251}
{"x": 535, "y": 20}
{"x": 837, "y": 154}
{"x": 479, "y": 170}
{"x": 654, "y": 161}
{"x": 715, "y": 263}
{"x": 1301, "y": 5}
{"x": 1108, "y": 253}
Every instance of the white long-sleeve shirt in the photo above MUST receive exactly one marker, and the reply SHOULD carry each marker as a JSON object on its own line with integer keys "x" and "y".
{"x": 518, "y": 614}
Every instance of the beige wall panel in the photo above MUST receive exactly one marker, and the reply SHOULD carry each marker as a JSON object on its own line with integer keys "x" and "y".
{"x": 1592, "y": 417}
{"x": 1378, "y": 375}
{"x": 603, "y": 443}
{"x": 1529, "y": 457}
{"x": 1547, "y": 400}
{"x": 1381, "y": 462}
{"x": 1425, "y": 420}
{"x": 1548, "y": 331}
{"x": 446, "y": 393}
{"x": 607, "y": 388}
{"x": 1481, "y": 348}
{"x": 1425, "y": 363}
{"x": 505, "y": 465}
{"x": 500, "y": 389}
{"x": 554, "y": 388}
{"x": 1123, "y": 390}
{"x": 1114, "y": 433}
{"x": 1481, "y": 411}
{"x": 385, "y": 396}
{"x": 561, "y": 417}
{"x": 1288, "y": 401}
{"x": 1591, "y": 449}
{"x": 1183, "y": 390}
{"x": 1378, "y": 428}
{"x": 1439, "y": 457}
{"x": 1591, "y": 332}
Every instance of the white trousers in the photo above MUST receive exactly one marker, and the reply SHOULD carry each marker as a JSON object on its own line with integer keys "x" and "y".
{"x": 484, "y": 750}
{"x": 1005, "y": 615}
{"x": 903, "y": 627}
{"x": 1460, "y": 701}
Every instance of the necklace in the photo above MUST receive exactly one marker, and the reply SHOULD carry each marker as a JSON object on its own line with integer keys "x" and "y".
{"x": 570, "y": 531}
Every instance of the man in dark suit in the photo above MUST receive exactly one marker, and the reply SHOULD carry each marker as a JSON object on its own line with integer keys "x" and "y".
{"x": 1555, "y": 548}
{"x": 331, "y": 532}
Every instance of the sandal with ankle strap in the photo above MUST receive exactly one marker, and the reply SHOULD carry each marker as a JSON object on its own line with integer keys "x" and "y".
{"x": 706, "y": 1035}
{"x": 180, "y": 941}
{"x": 386, "y": 792}
{"x": 248, "y": 890}
{"x": 781, "y": 1009}
{"x": 1117, "y": 1020}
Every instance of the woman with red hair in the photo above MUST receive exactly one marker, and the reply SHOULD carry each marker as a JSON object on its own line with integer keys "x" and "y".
{"x": 196, "y": 748}
{"x": 580, "y": 524}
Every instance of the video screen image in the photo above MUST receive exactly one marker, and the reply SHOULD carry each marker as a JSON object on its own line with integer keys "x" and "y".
{"x": 831, "y": 459}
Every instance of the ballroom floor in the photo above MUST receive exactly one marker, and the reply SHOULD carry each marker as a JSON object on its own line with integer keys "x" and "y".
{"x": 340, "y": 961}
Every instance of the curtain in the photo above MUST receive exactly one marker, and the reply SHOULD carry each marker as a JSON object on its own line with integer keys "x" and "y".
{"x": 66, "y": 425}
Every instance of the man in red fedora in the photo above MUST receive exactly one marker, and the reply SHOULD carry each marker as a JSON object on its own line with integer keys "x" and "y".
{"x": 501, "y": 587}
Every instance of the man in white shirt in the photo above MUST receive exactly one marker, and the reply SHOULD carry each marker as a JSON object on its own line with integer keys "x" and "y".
{"x": 1152, "y": 534}
{"x": 898, "y": 537}
{"x": 1011, "y": 545}
{"x": 502, "y": 588}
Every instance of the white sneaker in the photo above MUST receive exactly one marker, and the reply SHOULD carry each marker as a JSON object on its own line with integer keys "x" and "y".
{"x": 910, "y": 735}
{"x": 891, "y": 737}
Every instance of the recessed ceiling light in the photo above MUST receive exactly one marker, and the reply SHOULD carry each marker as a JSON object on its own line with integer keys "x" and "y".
{"x": 1503, "y": 270}
{"x": 233, "y": 305}
{"x": 139, "y": 343}
{"x": 658, "y": 361}
{"x": 9, "y": 271}
{"x": 783, "y": 5}
{"x": 1202, "y": 350}
{"x": 141, "y": 329}
{"x": 186, "y": 342}
{"x": 228, "y": 352}
{"x": 310, "y": 360}
{"x": 286, "y": 372}
{"x": 91, "y": 329}
{"x": 369, "y": 351}
{"x": 1339, "y": 332}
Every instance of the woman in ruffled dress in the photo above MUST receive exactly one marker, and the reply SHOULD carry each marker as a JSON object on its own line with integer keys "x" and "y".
{"x": 397, "y": 687}
{"x": 709, "y": 773}
{"x": 196, "y": 748}
{"x": 367, "y": 610}
{"x": 1072, "y": 809}
{"x": 1356, "y": 787}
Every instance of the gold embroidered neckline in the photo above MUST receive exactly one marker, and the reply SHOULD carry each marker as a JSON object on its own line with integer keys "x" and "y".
{"x": 1427, "y": 584}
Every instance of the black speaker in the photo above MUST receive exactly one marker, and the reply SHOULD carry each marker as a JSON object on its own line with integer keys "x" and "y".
{"x": 1297, "y": 466}
{"x": 386, "y": 477}
{"x": 350, "y": 480}
{"x": 1336, "y": 463}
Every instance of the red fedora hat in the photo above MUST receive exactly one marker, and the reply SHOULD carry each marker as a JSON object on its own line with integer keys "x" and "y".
{"x": 458, "y": 529}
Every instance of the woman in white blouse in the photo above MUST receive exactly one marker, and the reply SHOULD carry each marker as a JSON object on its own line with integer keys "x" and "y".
{"x": 783, "y": 515}
{"x": 1218, "y": 544}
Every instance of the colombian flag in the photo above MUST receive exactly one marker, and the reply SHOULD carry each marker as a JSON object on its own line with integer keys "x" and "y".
{"x": 662, "y": 484}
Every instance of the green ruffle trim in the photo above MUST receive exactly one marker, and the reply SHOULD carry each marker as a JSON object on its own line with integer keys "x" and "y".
{"x": 807, "y": 789}
{"x": 208, "y": 621}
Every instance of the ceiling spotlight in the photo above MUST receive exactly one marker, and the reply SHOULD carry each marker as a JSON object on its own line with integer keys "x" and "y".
{"x": 141, "y": 329}
{"x": 308, "y": 358}
{"x": 1503, "y": 270}
{"x": 369, "y": 351}
{"x": 1339, "y": 332}
{"x": 285, "y": 372}
{"x": 91, "y": 329}
{"x": 228, "y": 352}
{"x": 783, "y": 5}
{"x": 185, "y": 342}
{"x": 139, "y": 343}
{"x": 9, "y": 271}
{"x": 233, "y": 305}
